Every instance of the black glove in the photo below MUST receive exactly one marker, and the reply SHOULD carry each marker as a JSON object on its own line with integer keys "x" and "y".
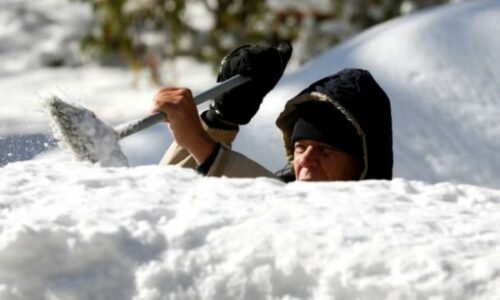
{"x": 265, "y": 65}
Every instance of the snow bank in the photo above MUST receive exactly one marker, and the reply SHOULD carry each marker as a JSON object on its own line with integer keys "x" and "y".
{"x": 440, "y": 69}
{"x": 76, "y": 231}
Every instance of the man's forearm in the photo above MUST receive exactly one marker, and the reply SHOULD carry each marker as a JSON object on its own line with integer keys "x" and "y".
{"x": 201, "y": 147}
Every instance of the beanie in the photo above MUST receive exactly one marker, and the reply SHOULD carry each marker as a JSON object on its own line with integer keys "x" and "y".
{"x": 322, "y": 122}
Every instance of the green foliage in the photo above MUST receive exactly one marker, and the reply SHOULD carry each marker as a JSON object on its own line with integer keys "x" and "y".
{"x": 144, "y": 32}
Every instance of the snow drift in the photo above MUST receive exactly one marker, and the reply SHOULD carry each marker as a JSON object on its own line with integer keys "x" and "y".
{"x": 82, "y": 232}
{"x": 76, "y": 231}
{"x": 441, "y": 69}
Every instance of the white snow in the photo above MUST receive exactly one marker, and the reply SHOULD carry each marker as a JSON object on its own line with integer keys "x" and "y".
{"x": 72, "y": 230}
{"x": 168, "y": 233}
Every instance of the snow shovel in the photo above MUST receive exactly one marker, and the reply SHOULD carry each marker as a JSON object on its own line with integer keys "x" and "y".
{"x": 90, "y": 139}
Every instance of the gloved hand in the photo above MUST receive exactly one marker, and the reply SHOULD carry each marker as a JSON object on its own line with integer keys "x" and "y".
{"x": 265, "y": 65}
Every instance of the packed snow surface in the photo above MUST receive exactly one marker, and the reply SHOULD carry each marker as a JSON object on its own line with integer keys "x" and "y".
{"x": 77, "y": 231}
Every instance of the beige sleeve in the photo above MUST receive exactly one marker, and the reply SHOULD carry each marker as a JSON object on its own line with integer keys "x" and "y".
{"x": 230, "y": 163}
{"x": 227, "y": 162}
{"x": 176, "y": 155}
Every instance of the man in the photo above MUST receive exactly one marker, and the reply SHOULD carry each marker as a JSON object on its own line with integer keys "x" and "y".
{"x": 339, "y": 128}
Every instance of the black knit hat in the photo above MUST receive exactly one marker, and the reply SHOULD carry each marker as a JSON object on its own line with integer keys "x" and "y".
{"x": 323, "y": 123}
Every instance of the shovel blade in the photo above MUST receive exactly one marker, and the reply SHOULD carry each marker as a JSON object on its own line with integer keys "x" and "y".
{"x": 79, "y": 130}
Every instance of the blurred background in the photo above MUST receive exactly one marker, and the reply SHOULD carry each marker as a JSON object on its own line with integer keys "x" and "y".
{"x": 141, "y": 34}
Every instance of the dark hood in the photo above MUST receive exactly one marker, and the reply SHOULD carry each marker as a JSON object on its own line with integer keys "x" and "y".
{"x": 363, "y": 103}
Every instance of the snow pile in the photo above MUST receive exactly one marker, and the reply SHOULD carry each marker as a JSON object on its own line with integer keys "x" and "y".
{"x": 168, "y": 233}
{"x": 76, "y": 231}
{"x": 440, "y": 68}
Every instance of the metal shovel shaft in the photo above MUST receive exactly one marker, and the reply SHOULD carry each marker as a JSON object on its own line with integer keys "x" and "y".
{"x": 138, "y": 125}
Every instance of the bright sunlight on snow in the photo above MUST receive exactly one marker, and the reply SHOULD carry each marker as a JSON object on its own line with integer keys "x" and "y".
{"x": 76, "y": 231}
{"x": 73, "y": 230}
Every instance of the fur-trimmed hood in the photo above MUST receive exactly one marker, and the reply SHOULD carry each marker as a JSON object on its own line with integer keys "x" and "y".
{"x": 363, "y": 103}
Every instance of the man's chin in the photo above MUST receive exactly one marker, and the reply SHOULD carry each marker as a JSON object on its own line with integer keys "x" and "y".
{"x": 312, "y": 178}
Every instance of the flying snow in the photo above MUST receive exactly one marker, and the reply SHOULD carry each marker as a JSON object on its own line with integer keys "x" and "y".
{"x": 79, "y": 130}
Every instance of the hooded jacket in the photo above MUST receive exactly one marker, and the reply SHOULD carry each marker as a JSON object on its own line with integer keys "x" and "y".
{"x": 366, "y": 107}
{"x": 353, "y": 92}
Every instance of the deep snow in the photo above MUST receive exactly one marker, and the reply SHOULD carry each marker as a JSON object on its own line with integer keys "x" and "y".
{"x": 71, "y": 230}
{"x": 76, "y": 231}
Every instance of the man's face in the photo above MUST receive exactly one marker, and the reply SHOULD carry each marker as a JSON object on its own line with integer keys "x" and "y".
{"x": 314, "y": 161}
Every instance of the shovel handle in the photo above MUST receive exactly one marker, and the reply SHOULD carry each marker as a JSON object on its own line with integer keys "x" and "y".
{"x": 138, "y": 125}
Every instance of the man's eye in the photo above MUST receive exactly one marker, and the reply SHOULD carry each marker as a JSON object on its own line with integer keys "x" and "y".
{"x": 299, "y": 148}
{"x": 327, "y": 151}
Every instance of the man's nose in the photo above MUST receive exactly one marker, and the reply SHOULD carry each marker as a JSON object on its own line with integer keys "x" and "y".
{"x": 309, "y": 157}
